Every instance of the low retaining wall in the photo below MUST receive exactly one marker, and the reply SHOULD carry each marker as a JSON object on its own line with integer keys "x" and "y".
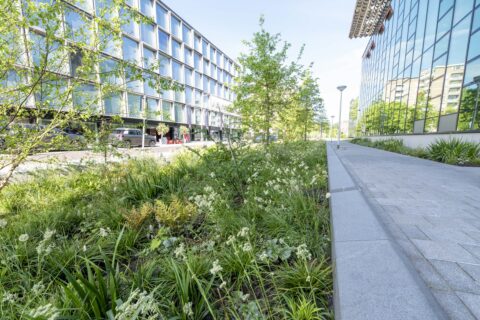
{"x": 423, "y": 140}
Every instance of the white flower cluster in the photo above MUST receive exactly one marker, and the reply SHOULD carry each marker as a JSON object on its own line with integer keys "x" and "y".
{"x": 180, "y": 251}
{"x": 188, "y": 309}
{"x": 206, "y": 201}
{"x": 243, "y": 233}
{"x": 3, "y": 223}
{"x": 104, "y": 232}
{"x": 138, "y": 305}
{"x": 9, "y": 297}
{"x": 303, "y": 252}
{"x": 48, "y": 312}
{"x": 23, "y": 237}
{"x": 44, "y": 247}
{"x": 216, "y": 268}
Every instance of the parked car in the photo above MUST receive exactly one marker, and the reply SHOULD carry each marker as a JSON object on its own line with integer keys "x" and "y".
{"x": 22, "y": 131}
{"x": 128, "y": 137}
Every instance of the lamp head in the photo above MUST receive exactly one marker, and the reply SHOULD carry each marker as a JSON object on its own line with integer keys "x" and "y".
{"x": 341, "y": 88}
{"x": 477, "y": 80}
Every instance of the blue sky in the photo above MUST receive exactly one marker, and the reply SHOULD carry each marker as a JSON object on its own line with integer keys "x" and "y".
{"x": 322, "y": 25}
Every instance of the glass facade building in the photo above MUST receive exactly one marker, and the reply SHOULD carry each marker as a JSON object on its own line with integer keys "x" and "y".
{"x": 421, "y": 68}
{"x": 161, "y": 38}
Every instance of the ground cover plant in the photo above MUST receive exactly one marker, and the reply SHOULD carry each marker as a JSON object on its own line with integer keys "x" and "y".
{"x": 452, "y": 151}
{"x": 222, "y": 233}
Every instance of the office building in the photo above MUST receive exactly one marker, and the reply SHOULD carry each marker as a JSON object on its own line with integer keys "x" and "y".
{"x": 421, "y": 67}
{"x": 151, "y": 34}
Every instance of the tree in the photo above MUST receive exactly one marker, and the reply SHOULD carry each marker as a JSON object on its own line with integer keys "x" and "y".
{"x": 162, "y": 129}
{"x": 265, "y": 82}
{"x": 60, "y": 74}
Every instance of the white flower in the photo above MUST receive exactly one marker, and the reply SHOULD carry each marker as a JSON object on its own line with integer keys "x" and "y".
{"x": 23, "y": 238}
{"x": 231, "y": 240}
{"x": 84, "y": 248}
{"x": 139, "y": 305}
{"x": 9, "y": 297}
{"x": 3, "y": 223}
{"x": 247, "y": 247}
{"x": 223, "y": 285}
{"x": 187, "y": 309}
{"x": 103, "y": 232}
{"x": 212, "y": 175}
{"x": 216, "y": 268}
{"x": 308, "y": 279}
{"x": 243, "y": 233}
{"x": 263, "y": 256}
{"x": 45, "y": 312}
{"x": 38, "y": 288}
{"x": 327, "y": 195}
{"x": 48, "y": 234}
{"x": 303, "y": 253}
{"x": 180, "y": 251}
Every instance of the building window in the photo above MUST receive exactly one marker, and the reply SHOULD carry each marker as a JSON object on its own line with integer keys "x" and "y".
{"x": 129, "y": 25}
{"x": 134, "y": 105}
{"x": 85, "y": 96}
{"x": 166, "y": 111}
{"x": 113, "y": 103}
{"x": 130, "y": 50}
{"x": 189, "y": 76}
{"x": 177, "y": 72}
{"x": 188, "y": 56}
{"x": 198, "y": 80}
{"x": 176, "y": 50}
{"x": 149, "y": 58}
{"x": 179, "y": 113}
{"x": 162, "y": 17}
{"x": 175, "y": 29}
{"x": 187, "y": 35}
{"x": 164, "y": 66}
{"x": 110, "y": 72}
{"x": 78, "y": 27}
{"x": 146, "y": 7}
{"x": 132, "y": 79}
{"x": 163, "y": 41}
{"x": 198, "y": 43}
{"x": 152, "y": 109}
{"x": 205, "y": 48}
{"x": 148, "y": 34}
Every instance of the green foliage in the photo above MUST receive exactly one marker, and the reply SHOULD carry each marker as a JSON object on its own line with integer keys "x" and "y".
{"x": 272, "y": 93}
{"x": 243, "y": 233}
{"x": 454, "y": 151}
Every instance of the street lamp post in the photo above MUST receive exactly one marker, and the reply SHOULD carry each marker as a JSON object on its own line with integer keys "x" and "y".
{"x": 475, "y": 111}
{"x": 340, "y": 88}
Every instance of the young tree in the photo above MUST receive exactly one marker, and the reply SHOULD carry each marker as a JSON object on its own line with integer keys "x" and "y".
{"x": 265, "y": 82}
{"x": 61, "y": 72}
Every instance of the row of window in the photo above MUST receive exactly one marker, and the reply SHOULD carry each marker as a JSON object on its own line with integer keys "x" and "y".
{"x": 202, "y": 77}
{"x": 162, "y": 110}
{"x": 419, "y": 74}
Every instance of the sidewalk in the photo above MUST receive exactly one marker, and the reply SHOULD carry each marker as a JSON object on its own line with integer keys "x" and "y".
{"x": 55, "y": 159}
{"x": 431, "y": 212}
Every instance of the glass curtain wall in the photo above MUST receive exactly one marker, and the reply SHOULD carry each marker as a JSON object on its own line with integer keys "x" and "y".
{"x": 421, "y": 72}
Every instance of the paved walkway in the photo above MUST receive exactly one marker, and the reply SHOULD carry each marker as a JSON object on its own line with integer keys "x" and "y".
{"x": 432, "y": 211}
{"x": 56, "y": 159}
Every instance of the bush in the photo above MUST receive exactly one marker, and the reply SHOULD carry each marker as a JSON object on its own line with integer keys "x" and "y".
{"x": 239, "y": 233}
{"x": 454, "y": 151}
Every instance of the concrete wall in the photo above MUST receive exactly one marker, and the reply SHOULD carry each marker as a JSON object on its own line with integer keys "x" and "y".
{"x": 423, "y": 140}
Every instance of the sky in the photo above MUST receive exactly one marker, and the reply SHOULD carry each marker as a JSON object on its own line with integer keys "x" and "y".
{"x": 322, "y": 25}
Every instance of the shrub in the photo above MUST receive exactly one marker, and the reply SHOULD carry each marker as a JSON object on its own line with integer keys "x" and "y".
{"x": 454, "y": 151}
{"x": 222, "y": 233}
